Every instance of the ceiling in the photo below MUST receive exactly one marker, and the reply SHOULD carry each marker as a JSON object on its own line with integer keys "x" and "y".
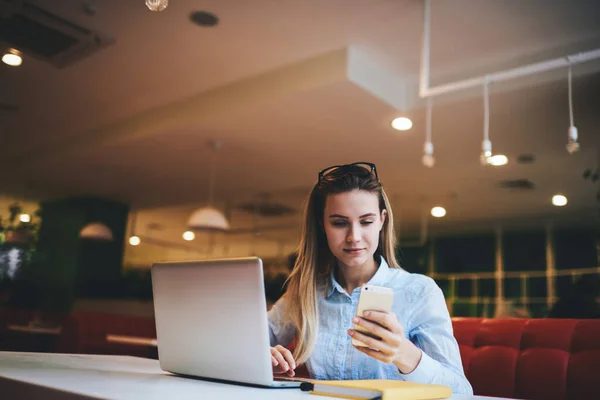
{"x": 291, "y": 87}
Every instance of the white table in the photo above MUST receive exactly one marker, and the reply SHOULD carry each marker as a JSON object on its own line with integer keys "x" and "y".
{"x": 76, "y": 376}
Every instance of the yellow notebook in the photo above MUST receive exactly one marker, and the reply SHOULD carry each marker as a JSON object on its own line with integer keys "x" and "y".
{"x": 379, "y": 389}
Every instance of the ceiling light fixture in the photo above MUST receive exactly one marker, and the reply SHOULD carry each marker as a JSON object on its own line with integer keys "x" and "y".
{"x": 572, "y": 144}
{"x": 157, "y": 5}
{"x": 498, "y": 160}
{"x": 189, "y": 235}
{"x": 96, "y": 231}
{"x": 25, "y": 218}
{"x": 12, "y": 58}
{"x": 401, "y": 124}
{"x": 134, "y": 239}
{"x": 486, "y": 145}
{"x": 209, "y": 218}
{"x": 428, "y": 159}
{"x": 438, "y": 212}
{"x": 559, "y": 200}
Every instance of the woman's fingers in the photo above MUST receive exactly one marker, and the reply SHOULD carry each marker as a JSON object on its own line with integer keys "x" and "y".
{"x": 287, "y": 355}
{"x": 281, "y": 364}
{"x": 282, "y": 360}
{"x": 385, "y": 334}
{"x": 387, "y": 320}
{"x": 373, "y": 343}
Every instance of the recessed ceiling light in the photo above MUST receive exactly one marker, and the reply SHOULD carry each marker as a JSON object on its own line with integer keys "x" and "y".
{"x": 25, "y": 218}
{"x": 12, "y": 58}
{"x": 559, "y": 200}
{"x": 188, "y": 235}
{"x": 134, "y": 240}
{"x": 438, "y": 212}
{"x": 204, "y": 18}
{"x": 498, "y": 160}
{"x": 402, "y": 124}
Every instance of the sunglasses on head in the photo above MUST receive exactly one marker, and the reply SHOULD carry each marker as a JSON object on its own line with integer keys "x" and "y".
{"x": 361, "y": 169}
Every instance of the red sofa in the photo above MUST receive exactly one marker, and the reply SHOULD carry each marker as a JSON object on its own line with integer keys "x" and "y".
{"x": 531, "y": 358}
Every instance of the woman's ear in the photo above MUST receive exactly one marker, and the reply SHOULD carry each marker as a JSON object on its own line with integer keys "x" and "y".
{"x": 383, "y": 217}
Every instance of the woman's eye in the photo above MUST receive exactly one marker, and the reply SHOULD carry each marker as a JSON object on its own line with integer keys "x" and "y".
{"x": 338, "y": 223}
{"x": 366, "y": 222}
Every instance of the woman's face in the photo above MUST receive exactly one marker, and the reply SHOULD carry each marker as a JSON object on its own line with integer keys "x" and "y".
{"x": 352, "y": 223}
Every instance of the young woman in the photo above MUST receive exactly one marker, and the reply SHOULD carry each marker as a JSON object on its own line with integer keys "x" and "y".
{"x": 348, "y": 241}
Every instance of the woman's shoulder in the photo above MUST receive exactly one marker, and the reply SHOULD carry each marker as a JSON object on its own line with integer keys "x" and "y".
{"x": 412, "y": 285}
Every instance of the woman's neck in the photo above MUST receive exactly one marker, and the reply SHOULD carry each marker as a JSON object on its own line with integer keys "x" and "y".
{"x": 352, "y": 277}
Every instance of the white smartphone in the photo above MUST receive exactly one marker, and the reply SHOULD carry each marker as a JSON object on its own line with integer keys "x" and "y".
{"x": 372, "y": 298}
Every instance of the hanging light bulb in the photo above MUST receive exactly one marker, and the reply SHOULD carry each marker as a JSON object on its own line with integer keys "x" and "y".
{"x": 572, "y": 144}
{"x": 157, "y": 5}
{"x": 486, "y": 145}
{"x": 428, "y": 160}
{"x": 134, "y": 239}
{"x": 209, "y": 218}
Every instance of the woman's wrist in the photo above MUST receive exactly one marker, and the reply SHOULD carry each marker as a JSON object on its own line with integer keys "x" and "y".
{"x": 409, "y": 358}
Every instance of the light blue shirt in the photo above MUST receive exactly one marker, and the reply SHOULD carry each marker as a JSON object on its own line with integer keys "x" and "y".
{"x": 420, "y": 307}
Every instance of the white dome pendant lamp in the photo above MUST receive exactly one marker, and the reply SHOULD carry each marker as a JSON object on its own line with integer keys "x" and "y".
{"x": 96, "y": 231}
{"x": 209, "y": 219}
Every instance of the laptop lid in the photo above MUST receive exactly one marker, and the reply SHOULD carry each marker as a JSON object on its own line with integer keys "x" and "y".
{"x": 211, "y": 319}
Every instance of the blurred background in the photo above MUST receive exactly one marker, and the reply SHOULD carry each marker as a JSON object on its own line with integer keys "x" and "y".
{"x": 130, "y": 136}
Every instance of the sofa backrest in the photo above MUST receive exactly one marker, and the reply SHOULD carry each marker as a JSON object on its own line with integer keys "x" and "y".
{"x": 530, "y": 358}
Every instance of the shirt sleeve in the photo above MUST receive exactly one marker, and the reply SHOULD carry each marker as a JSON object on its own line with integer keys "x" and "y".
{"x": 432, "y": 333}
{"x": 281, "y": 331}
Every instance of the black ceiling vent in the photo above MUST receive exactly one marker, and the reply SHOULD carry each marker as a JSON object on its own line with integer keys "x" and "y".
{"x": 204, "y": 18}
{"x": 525, "y": 158}
{"x": 517, "y": 184}
{"x": 267, "y": 209}
{"x": 46, "y": 36}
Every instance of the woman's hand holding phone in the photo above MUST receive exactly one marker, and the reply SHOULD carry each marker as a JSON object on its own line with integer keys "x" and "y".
{"x": 378, "y": 333}
{"x": 283, "y": 361}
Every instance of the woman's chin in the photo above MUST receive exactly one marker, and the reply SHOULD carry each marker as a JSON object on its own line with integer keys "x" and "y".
{"x": 355, "y": 260}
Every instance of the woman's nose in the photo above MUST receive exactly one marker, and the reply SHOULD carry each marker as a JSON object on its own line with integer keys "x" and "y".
{"x": 353, "y": 235}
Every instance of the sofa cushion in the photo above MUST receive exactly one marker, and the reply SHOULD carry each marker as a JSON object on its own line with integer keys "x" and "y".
{"x": 531, "y": 358}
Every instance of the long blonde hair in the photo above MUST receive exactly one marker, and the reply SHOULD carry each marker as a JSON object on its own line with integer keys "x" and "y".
{"x": 315, "y": 261}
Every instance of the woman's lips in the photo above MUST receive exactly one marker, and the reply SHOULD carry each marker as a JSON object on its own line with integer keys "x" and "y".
{"x": 353, "y": 251}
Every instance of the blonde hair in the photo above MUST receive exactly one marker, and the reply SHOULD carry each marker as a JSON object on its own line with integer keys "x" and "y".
{"x": 315, "y": 261}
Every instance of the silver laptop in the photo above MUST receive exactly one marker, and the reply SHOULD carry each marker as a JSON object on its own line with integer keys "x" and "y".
{"x": 211, "y": 321}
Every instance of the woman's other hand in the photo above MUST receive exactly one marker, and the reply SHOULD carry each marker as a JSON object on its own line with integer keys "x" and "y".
{"x": 283, "y": 361}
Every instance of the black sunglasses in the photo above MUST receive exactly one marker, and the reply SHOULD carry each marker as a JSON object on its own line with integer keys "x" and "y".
{"x": 365, "y": 169}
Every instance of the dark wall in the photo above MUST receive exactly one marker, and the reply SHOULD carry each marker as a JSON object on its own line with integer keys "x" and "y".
{"x": 65, "y": 265}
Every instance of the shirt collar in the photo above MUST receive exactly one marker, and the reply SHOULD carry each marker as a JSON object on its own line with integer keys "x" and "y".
{"x": 379, "y": 279}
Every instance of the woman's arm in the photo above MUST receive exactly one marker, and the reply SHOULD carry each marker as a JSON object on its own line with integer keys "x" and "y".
{"x": 429, "y": 355}
{"x": 432, "y": 333}
{"x": 281, "y": 331}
